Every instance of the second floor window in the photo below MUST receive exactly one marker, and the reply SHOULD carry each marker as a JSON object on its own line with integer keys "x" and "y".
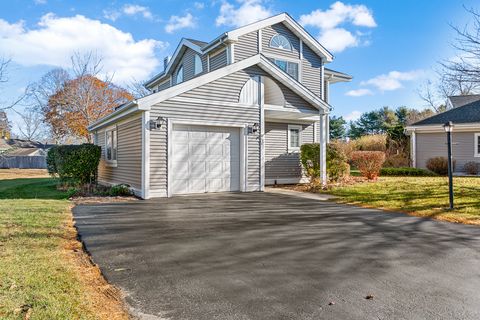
{"x": 198, "y": 64}
{"x": 280, "y": 42}
{"x": 289, "y": 67}
{"x": 179, "y": 75}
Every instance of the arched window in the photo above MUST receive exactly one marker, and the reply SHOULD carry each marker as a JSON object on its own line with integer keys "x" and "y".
{"x": 179, "y": 75}
{"x": 198, "y": 64}
{"x": 280, "y": 42}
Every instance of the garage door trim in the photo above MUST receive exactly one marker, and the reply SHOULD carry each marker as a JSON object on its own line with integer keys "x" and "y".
{"x": 243, "y": 148}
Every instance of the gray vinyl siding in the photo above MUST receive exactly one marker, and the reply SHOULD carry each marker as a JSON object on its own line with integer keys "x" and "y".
{"x": 279, "y": 163}
{"x": 163, "y": 86}
{"x": 201, "y": 111}
{"x": 311, "y": 70}
{"x": 431, "y": 145}
{"x": 280, "y": 28}
{"x": 218, "y": 61}
{"x": 129, "y": 155}
{"x": 247, "y": 46}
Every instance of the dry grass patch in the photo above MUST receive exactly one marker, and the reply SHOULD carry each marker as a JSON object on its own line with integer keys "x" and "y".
{"x": 22, "y": 173}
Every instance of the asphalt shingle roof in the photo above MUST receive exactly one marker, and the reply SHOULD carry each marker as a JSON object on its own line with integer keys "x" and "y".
{"x": 464, "y": 113}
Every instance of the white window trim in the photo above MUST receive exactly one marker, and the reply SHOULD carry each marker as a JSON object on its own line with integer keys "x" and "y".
{"x": 110, "y": 163}
{"x": 280, "y": 35}
{"x": 180, "y": 68}
{"x": 294, "y": 127}
{"x": 297, "y": 61}
{"x": 476, "y": 152}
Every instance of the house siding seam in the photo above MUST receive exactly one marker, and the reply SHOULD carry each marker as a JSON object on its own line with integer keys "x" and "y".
{"x": 129, "y": 155}
{"x": 246, "y": 46}
{"x": 218, "y": 61}
{"x": 279, "y": 164}
{"x": 311, "y": 71}
{"x": 199, "y": 112}
{"x": 280, "y": 28}
{"x": 431, "y": 145}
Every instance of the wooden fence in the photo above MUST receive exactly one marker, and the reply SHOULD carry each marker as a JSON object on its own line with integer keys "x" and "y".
{"x": 23, "y": 162}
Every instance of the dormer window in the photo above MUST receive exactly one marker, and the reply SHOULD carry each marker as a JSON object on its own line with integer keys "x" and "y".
{"x": 198, "y": 64}
{"x": 179, "y": 75}
{"x": 280, "y": 42}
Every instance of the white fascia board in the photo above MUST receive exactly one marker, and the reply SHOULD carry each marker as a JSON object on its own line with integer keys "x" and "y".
{"x": 291, "y": 24}
{"x": 183, "y": 43}
{"x": 115, "y": 116}
{"x": 295, "y": 86}
{"x": 171, "y": 92}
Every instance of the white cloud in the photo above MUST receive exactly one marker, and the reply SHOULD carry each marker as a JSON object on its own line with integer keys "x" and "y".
{"x": 328, "y": 21}
{"x": 199, "y": 5}
{"x": 129, "y": 10}
{"x": 337, "y": 39}
{"x": 133, "y": 9}
{"x": 393, "y": 80}
{"x": 55, "y": 39}
{"x": 37, "y": 2}
{"x": 249, "y": 11}
{"x": 177, "y": 22}
{"x": 352, "y": 116}
{"x": 359, "y": 93}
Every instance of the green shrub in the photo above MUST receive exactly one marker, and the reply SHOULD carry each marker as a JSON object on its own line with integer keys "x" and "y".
{"x": 337, "y": 166}
{"x": 120, "y": 190}
{"x": 439, "y": 165}
{"x": 74, "y": 163}
{"x": 369, "y": 163}
{"x": 406, "y": 171}
{"x": 471, "y": 167}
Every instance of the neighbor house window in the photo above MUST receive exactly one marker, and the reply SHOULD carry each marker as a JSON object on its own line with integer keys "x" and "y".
{"x": 180, "y": 74}
{"x": 198, "y": 64}
{"x": 280, "y": 42}
{"x": 291, "y": 68}
{"x": 111, "y": 145}
{"x": 477, "y": 145}
{"x": 293, "y": 138}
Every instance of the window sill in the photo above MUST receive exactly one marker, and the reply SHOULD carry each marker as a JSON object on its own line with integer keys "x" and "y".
{"x": 111, "y": 163}
{"x": 293, "y": 150}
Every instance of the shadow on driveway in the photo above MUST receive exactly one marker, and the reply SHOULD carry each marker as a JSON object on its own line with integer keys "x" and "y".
{"x": 272, "y": 256}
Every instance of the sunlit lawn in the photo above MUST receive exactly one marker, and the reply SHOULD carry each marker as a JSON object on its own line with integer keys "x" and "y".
{"x": 420, "y": 196}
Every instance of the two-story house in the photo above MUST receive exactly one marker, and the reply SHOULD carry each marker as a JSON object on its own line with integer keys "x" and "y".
{"x": 227, "y": 115}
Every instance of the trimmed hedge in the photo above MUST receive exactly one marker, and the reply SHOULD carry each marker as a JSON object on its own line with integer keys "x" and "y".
{"x": 406, "y": 171}
{"x": 369, "y": 163}
{"x": 74, "y": 163}
{"x": 337, "y": 166}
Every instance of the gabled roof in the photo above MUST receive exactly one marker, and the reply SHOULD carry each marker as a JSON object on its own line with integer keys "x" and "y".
{"x": 466, "y": 113}
{"x": 263, "y": 62}
{"x": 458, "y": 101}
{"x": 233, "y": 35}
{"x": 336, "y": 76}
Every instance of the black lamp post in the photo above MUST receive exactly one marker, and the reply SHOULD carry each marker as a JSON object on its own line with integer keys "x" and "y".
{"x": 448, "y": 129}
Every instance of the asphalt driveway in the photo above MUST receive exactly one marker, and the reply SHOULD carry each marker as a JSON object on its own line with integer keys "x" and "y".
{"x": 272, "y": 256}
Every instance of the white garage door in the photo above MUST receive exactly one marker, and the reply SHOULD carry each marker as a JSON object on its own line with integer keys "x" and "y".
{"x": 205, "y": 159}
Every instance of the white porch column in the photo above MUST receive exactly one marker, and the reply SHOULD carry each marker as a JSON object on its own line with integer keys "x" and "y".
{"x": 413, "y": 148}
{"x": 323, "y": 147}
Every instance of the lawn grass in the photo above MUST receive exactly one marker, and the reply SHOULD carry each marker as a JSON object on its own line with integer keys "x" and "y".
{"x": 420, "y": 196}
{"x": 44, "y": 274}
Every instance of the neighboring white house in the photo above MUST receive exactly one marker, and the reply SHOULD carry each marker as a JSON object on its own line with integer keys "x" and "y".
{"x": 227, "y": 115}
{"x": 428, "y": 138}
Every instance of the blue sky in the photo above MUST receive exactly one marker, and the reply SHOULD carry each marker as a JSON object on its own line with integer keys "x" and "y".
{"x": 389, "y": 47}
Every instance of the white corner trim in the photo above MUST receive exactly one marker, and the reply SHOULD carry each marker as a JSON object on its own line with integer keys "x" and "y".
{"x": 232, "y": 53}
{"x": 476, "y": 141}
{"x": 145, "y": 155}
{"x": 413, "y": 148}
{"x": 208, "y": 62}
{"x": 169, "y": 157}
{"x": 261, "y": 99}
{"x": 259, "y": 39}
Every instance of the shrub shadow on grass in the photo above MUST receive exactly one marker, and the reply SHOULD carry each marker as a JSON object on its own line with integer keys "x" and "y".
{"x": 31, "y": 188}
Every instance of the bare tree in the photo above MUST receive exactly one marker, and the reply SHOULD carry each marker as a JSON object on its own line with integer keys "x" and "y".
{"x": 4, "y": 64}
{"x": 137, "y": 89}
{"x": 32, "y": 127}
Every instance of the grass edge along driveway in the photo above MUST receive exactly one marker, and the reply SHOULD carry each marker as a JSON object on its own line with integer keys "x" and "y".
{"x": 45, "y": 274}
{"x": 419, "y": 196}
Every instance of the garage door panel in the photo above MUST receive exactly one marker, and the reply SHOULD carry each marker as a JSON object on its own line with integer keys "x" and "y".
{"x": 206, "y": 159}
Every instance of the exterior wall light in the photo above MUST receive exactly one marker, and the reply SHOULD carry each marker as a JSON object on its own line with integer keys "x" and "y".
{"x": 253, "y": 128}
{"x": 157, "y": 124}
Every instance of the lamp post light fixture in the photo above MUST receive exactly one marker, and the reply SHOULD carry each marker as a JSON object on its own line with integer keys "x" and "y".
{"x": 448, "y": 129}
